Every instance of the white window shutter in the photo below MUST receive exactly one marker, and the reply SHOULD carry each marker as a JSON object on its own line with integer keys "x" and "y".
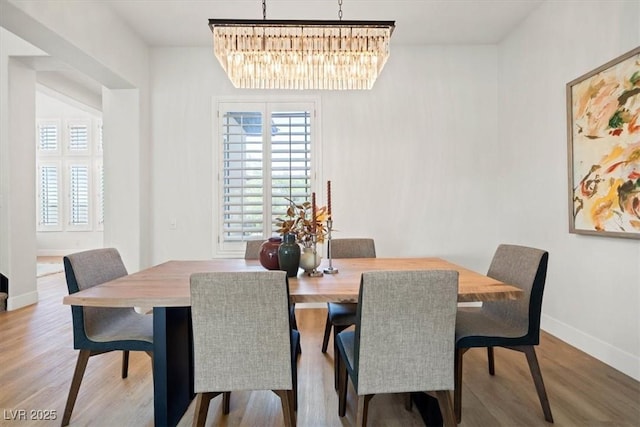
{"x": 49, "y": 197}
{"x": 78, "y": 138}
{"x": 79, "y": 196}
{"x": 266, "y": 159}
{"x": 48, "y": 138}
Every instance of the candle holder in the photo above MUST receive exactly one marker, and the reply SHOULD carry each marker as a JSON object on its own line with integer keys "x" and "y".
{"x": 329, "y": 270}
{"x": 315, "y": 272}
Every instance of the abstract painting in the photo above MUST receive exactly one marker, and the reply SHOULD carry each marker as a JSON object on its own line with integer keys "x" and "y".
{"x": 603, "y": 117}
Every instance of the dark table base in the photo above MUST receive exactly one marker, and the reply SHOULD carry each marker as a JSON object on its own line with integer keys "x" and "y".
{"x": 428, "y": 408}
{"x": 172, "y": 364}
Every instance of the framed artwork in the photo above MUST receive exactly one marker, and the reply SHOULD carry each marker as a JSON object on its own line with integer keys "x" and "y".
{"x": 603, "y": 118}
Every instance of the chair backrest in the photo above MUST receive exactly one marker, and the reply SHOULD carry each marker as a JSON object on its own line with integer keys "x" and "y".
{"x": 241, "y": 331}
{"x": 405, "y": 331}
{"x": 353, "y": 248}
{"x": 84, "y": 270}
{"x": 525, "y": 268}
{"x": 252, "y": 250}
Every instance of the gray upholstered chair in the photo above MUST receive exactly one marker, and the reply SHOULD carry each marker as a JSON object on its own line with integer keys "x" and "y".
{"x": 510, "y": 324}
{"x": 252, "y": 250}
{"x": 243, "y": 338}
{"x": 403, "y": 340}
{"x": 100, "y": 330}
{"x": 342, "y": 315}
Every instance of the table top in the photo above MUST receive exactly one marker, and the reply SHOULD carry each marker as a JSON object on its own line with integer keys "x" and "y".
{"x": 167, "y": 284}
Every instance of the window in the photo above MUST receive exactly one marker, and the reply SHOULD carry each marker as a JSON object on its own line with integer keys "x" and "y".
{"x": 267, "y": 155}
{"x": 79, "y": 196}
{"x": 99, "y": 186}
{"x": 49, "y": 196}
{"x": 70, "y": 180}
{"x": 78, "y": 138}
{"x": 48, "y": 138}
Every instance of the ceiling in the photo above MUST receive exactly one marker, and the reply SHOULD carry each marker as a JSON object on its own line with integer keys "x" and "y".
{"x": 184, "y": 22}
{"x": 174, "y": 23}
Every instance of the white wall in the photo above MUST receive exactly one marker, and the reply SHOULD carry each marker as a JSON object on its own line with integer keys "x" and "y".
{"x": 22, "y": 290}
{"x": 17, "y": 170}
{"x": 410, "y": 161}
{"x": 120, "y": 63}
{"x": 592, "y": 298}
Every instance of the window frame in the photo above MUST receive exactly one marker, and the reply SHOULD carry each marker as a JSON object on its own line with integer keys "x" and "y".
{"x": 229, "y": 249}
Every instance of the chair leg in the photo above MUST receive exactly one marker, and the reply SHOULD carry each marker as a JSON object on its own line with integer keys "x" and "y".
{"x": 341, "y": 366}
{"x": 490, "y": 359}
{"x": 295, "y": 389}
{"x": 226, "y": 402}
{"x": 363, "y": 409}
{"x": 336, "y": 330}
{"x": 446, "y": 408}
{"x": 457, "y": 392}
{"x": 81, "y": 365}
{"x": 327, "y": 332}
{"x": 202, "y": 407}
{"x": 408, "y": 402}
{"x": 125, "y": 363}
{"x": 294, "y": 374}
{"x": 286, "y": 399}
{"x": 534, "y": 367}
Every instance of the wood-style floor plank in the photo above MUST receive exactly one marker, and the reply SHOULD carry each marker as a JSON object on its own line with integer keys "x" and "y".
{"x": 37, "y": 361}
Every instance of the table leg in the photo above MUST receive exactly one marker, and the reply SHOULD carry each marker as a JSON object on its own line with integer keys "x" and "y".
{"x": 428, "y": 408}
{"x": 172, "y": 364}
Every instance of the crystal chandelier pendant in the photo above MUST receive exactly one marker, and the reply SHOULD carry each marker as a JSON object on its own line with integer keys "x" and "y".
{"x": 323, "y": 55}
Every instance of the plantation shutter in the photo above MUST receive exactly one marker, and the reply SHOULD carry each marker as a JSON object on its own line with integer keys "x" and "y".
{"x": 290, "y": 160}
{"x": 49, "y": 203}
{"x": 99, "y": 138}
{"x": 79, "y": 195}
{"x": 266, "y": 158}
{"x": 48, "y": 137}
{"x": 100, "y": 204}
{"x": 78, "y": 137}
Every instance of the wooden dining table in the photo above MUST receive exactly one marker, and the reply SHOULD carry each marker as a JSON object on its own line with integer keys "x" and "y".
{"x": 166, "y": 288}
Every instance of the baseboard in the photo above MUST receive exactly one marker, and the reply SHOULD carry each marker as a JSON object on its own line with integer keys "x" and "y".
{"x": 621, "y": 360}
{"x": 14, "y": 303}
{"x": 56, "y": 252}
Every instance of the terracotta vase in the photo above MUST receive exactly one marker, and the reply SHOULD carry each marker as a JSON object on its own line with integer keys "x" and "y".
{"x": 269, "y": 253}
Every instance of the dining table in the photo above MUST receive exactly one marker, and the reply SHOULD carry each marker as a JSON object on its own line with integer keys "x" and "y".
{"x": 166, "y": 288}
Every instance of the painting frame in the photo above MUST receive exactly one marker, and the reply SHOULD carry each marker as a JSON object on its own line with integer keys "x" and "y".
{"x": 603, "y": 135}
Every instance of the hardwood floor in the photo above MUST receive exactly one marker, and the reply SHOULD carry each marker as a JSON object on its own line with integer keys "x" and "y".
{"x": 37, "y": 361}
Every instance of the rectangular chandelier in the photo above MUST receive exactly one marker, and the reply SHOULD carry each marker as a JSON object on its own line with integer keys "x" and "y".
{"x": 290, "y": 54}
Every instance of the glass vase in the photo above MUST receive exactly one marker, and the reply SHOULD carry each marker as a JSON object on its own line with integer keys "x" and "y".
{"x": 309, "y": 260}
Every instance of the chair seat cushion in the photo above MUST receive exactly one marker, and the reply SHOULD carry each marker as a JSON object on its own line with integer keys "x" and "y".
{"x": 121, "y": 325}
{"x": 476, "y": 328}
{"x": 342, "y": 314}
